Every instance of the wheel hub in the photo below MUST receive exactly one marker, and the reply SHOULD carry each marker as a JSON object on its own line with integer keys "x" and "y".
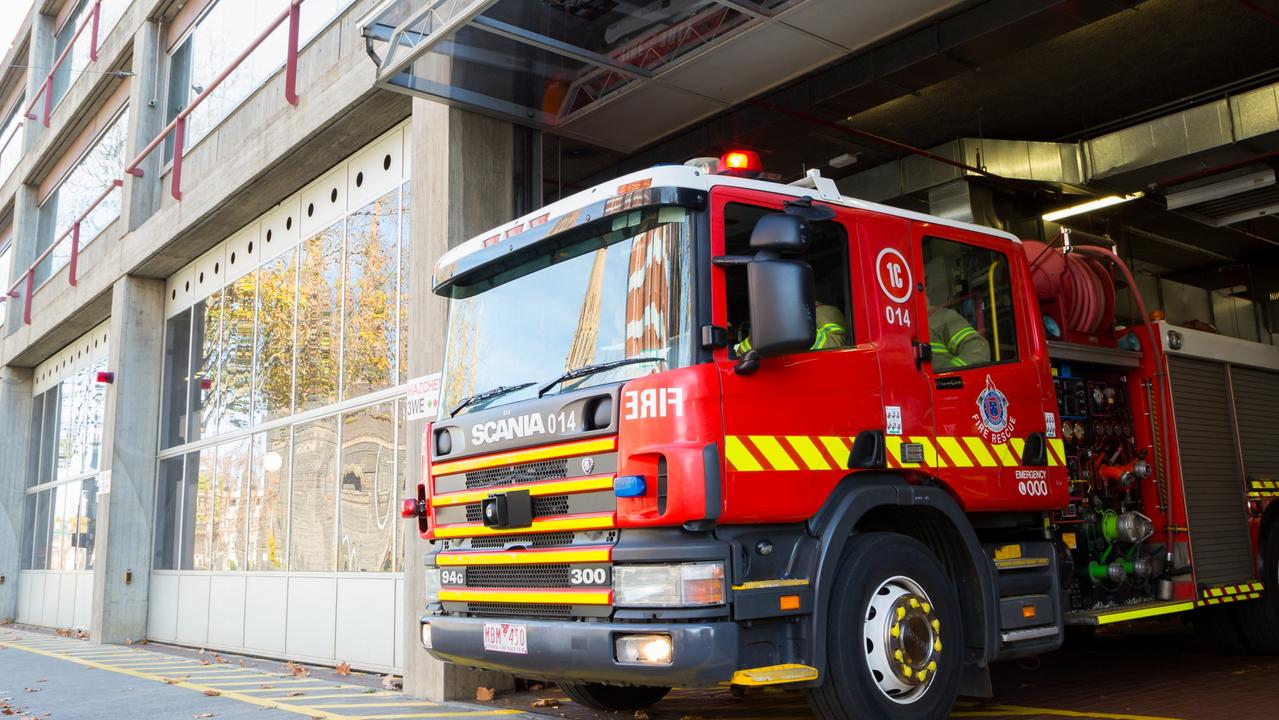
{"x": 902, "y": 636}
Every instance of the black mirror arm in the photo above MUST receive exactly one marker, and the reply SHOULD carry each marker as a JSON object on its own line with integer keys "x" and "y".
{"x": 732, "y": 260}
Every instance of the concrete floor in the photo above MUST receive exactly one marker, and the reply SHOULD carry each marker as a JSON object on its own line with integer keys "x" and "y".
{"x": 1155, "y": 671}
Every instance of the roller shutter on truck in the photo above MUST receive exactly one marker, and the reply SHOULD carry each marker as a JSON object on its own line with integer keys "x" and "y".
{"x": 1257, "y": 407}
{"x": 1216, "y": 502}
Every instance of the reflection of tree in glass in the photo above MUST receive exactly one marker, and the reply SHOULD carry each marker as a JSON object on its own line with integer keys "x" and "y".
{"x": 367, "y": 490}
{"x": 236, "y": 353}
{"x": 273, "y": 394}
{"x": 268, "y": 503}
{"x": 371, "y": 322}
{"x": 319, "y": 319}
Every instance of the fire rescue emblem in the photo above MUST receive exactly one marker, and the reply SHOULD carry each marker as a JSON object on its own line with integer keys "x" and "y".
{"x": 995, "y": 424}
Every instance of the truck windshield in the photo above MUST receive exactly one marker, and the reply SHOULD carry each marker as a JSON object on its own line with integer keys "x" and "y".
{"x": 623, "y": 293}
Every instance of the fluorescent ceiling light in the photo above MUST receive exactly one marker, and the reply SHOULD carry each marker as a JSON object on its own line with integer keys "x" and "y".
{"x": 1091, "y": 205}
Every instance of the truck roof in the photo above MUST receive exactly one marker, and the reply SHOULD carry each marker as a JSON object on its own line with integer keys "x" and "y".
{"x": 686, "y": 176}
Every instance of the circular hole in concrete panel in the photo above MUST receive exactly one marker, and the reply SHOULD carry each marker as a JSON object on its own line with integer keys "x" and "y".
{"x": 188, "y": 287}
{"x": 268, "y": 236}
{"x": 232, "y": 258}
{"x": 201, "y": 278}
{"x": 386, "y": 162}
{"x": 310, "y": 209}
{"x": 216, "y": 267}
{"x": 174, "y": 295}
{"x": 250, "y": 247}
{"x": 288, "y": 223}
{"x": 333, "y": 195}
{"x": 359, "y": 179}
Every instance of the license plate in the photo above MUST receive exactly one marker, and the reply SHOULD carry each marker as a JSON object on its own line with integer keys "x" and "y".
{"x": 506, "y": 638}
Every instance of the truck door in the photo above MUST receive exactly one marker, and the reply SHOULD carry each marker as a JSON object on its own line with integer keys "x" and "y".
{"x": 987, "y": 399}
{"x": 789, "y": 426}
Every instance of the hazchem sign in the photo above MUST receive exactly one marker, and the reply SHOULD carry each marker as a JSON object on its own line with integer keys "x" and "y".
{"x": 423, "y": 401}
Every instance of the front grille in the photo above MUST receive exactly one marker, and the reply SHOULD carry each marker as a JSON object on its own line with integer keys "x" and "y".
{"x": 512, "y": 474}
{"x": 552, "y": 575}
{"x": 519, "y": 610}
{"x": 542, "y": 507}
{"x": 538, "y": 540}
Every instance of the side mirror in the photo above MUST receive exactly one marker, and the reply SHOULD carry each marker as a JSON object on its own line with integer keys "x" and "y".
{"x": 783, "y": 309}
{"x": 780, "y": 233}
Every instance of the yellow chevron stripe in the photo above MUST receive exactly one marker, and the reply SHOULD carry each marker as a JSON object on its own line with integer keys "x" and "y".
{"x": 837, "y": 447}
{"x": 600, "y": 521}
{"x": 1005, "y": 456}
{"x": 525, "y": 557}
{"x": 980, "y": 451}
{"x": 558, "y": 487}
{"x": 513, "y": 457}
{"x": 1019, "y": 447}
{"x": 1058, "y": 450}
{"x": 955, "y": 452}
{"x": 738, "y": 456}
{"x": 808, "y": 452}
{"x": 930, "y": 453}
{"x": 894, "y": 445}
{"x": 773, "y": 452}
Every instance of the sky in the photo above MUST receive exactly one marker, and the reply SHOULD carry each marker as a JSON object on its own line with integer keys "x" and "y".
{"x": 11, "y": 14}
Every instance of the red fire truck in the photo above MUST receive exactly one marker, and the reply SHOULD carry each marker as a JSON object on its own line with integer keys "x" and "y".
{"x": 702, "y": 429}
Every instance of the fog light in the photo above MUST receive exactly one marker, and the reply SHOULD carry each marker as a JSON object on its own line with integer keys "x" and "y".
{"x": 426, "y": 635}
{"x": 644, "y": 649}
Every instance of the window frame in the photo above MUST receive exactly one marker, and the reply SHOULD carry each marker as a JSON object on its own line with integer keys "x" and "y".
{"x": 991, "y": 245}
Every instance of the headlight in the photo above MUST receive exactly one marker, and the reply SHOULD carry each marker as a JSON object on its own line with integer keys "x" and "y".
{"x": 426, "y": 635}
{"x": 432, "y": 585}
{"x": 683, "y": 585}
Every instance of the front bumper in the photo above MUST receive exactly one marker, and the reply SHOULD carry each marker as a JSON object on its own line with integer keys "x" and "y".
{"x": 705, "y": 654}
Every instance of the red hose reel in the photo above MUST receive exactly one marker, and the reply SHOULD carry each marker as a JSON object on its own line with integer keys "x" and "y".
{"x": 1077, "y": 291}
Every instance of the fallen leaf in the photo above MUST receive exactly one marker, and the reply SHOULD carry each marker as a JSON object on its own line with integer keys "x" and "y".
{"x": 390, "y": 682}
{"x": 547, "y": 703}
{"x": 6, "y": 621}
{"x": 202, "y": 651}
{"x": 172, "y": 681}
{"x": 296, "y": 669}
{"x": 218, "y": 658}
{"x": 484, "y": 694}
{"x": 242, "y": 663}
{"x": 343, "y": 668}
{"x": 535, "y": 687}
{"x": 368, "y": 691}
{"x": 32, "y": 689}
{"x": 265, "y": 686}
{"x": 143, "y": 641}
{"x": 296, "y": 693}
{"x": 212, "y": 693}
{"x": 204, "y": 715}
{"x": 641, "y": 715}
{"x": 692, "y": 717}
{"x": 206, "y": 662}
{"x": 128, "y": 641}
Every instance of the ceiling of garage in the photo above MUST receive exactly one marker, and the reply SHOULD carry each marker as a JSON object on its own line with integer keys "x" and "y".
{"x": 1066, "y": 71}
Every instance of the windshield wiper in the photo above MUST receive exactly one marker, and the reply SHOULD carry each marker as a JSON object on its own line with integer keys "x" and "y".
{"x": 594, "y": 368}
{"x": 488, "y": 395}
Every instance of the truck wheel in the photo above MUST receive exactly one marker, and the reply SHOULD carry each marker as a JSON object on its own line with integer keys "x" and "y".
{"x": 892, "y": 608}
{"x": 1260, "y": 618}
{"x": 613, "y": 697}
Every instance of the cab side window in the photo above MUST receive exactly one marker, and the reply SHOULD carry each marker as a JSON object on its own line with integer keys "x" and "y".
{"x": 827, "y": 254}
{"x": 971, "y": 321}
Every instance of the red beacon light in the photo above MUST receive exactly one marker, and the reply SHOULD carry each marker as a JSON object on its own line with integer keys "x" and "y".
{"x": 741, "y": 163}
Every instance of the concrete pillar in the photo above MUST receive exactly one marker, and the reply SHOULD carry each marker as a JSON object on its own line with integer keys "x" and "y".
{"x": 15, "y": 441}
{"x": 462, "y": 186}
{"x": 126, "y": 487}
{"x": 146, "y": 120}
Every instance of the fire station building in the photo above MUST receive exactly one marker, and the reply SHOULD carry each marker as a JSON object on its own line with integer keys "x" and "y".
{"x": 219, "y": 220}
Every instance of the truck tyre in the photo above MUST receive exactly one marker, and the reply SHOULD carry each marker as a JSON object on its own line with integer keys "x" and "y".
{"x": 891, "y": 610}
{"x": 613, "y": 697}
{"x": 1260, "y": 618}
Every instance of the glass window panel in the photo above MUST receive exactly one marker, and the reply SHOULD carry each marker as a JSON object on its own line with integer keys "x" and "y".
{"x": 221, "y": 34}
{"x": 28, "y": 529}
{"x": 78, "y": 444}
{"x": 406, "y": 198}
{"x": 179, "y": 89}
{"x": 971, "y": 321}
{"x": 206, "y": 338}
{"x": 238, "y": 303}
{"x": 227, "y": 505}
{"x": 198, "y": 497}
{"x": 319, "y": 319}
{"x": 97, "y": 415}
{"x": 273, "y": 361}
{"x": 76, "y": 59}
{"x": 311, "y": 525}
{"x": 176, "y": 374}
{"x": 84, "y": 536}
{"x": 58, "y": 551}
{"x": 10, "y": 150}
{"x": 369, "y": 341}
{"x": 87, "y": 180}
{"x": 168, "y": 502}
{"x": 268, "y": 500}
{"x": 43, "y": 531}
{"x": 401, "y": 470}
{"x": 66, "y": 424}
{"x": 33, "y": 449}
{"x": 366, "y": 537}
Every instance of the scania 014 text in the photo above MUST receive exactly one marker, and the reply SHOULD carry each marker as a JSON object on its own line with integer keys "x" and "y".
{"x": 935, "y": 454}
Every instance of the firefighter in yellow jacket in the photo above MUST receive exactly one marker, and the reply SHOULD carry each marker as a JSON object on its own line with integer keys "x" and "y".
{"x": 831, "y": 332}
{"x": 954, "y": 342}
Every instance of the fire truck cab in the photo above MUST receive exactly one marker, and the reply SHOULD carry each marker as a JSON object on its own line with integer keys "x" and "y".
{"x": 703, "y": 429}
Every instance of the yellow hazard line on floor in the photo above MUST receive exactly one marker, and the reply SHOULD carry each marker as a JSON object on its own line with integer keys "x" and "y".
{"x": 998, "y": 711}
{"x": 406, "y": 703}
{"x": 347, "y": 696}
{"x": 240, "y": 695}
